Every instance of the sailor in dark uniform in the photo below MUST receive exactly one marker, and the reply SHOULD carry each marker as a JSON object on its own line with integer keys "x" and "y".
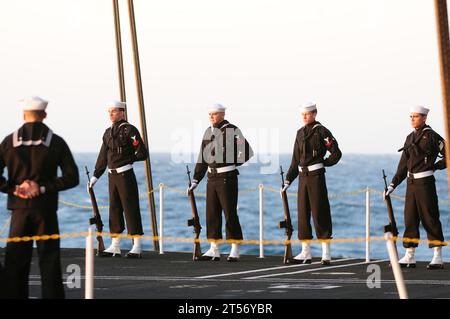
{"x": 223, "y": 149}
{"x": 32, "y": 155}
{"x": 122, "y": 146}
{"x": 418, "y": 163}
{"x": 312, "y": 143}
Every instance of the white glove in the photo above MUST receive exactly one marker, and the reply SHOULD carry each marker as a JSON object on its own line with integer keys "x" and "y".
{"x": 388, "y": 191}
{"x": 284, "y": 188}
{"x": 193, "y": 186}
{"x": 92, "y": 181}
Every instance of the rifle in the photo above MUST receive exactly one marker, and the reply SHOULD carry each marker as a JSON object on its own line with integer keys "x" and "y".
{"x": 194, "y": 221}
{"x": 97, "y": 218}
{"x": 392, "y": 227}
{"x": 286, "y": 223}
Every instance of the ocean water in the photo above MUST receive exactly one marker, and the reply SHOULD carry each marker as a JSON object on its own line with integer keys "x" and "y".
{"x": 353, "y": 173}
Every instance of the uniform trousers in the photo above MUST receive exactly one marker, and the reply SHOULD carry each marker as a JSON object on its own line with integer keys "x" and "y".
{"x": 313, "y": 200}
{"x": 124, "y": 200}
{"x": 222, "y": 195}
{"x": 31, "y": 222}
{"x": 421, "y": 205}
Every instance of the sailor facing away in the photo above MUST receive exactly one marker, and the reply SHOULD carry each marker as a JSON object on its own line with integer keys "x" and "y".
{"x": 32, "y": 155}
{"x": 223, "y": 149}
{"x": 122, "y": 146}
{"x": 312, "y": 143}
{"x": 417, "y": 164}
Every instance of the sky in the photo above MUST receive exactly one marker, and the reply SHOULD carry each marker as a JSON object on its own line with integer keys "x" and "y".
{"x": 364, "y": 62}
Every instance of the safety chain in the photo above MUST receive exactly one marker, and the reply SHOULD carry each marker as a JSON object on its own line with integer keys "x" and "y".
{"x": 252, "y": 190}
{"x": 228, "y": 241}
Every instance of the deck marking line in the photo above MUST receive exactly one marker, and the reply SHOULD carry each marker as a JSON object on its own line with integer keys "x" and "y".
{"x": 267, "y": 269}
{"x": 313, "y": 270}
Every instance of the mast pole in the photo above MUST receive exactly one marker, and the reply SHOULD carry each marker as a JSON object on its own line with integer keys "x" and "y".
{"x": 140, "y": 95}
{"x": 123, "y": 97}
{"x": 444, "y": 59}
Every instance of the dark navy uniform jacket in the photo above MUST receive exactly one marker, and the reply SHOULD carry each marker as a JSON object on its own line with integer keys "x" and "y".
{"x": 35, "y": 153}
{"x": 311, "y": 145}
{"x": 122, "y": 145}
{"x": 419, "y": 154}
{"x": 223, "y": 145}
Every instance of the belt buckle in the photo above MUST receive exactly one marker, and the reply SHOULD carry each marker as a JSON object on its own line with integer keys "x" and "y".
{"x": 113, "y": 171}
{"x": 305, "y": 169}
{"x": 213, "y": 171}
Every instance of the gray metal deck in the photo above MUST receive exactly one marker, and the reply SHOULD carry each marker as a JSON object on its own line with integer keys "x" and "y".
{"x": 175, "y": 276}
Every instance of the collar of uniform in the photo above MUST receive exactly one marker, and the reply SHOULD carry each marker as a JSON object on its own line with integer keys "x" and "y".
{"x": 221, "y": 124}
{"x": 310, "y": 126}
{"x": 420, "y": 129}
{"x": 115, "y": 124}
{"x": 32, "y": 133}
{"x": 115, "y": 127}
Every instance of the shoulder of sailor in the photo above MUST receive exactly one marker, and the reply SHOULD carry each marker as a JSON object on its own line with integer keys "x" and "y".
{"x": 128, "y": 129}
{"x": 433, "y": 134}
{"x": 230, "y": 125}
{"x": 325, "y": 134}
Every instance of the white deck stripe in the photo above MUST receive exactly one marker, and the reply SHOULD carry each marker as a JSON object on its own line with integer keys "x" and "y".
{"x": 267, "y": 269}
{"x": 263, "y": 280}
{"x": 314, "y": 270}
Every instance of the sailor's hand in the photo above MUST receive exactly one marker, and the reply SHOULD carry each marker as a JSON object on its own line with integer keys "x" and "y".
{"x": 284, "y": 188}
{"x": 27, "y": 190}
{"x": 388, "y": 191}
{"x": 192, "y": 187}
{"x": 22, "y": 191}
{"x": 92, "y": 181}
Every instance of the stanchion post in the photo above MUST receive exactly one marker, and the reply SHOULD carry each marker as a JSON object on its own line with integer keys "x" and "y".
{"x": 367, "y": 224}
{"x": 89, "y": 266}
{"x": 398, "y": 275}
{"x": 161, "y": 218}
{"x": 261, "y": 221}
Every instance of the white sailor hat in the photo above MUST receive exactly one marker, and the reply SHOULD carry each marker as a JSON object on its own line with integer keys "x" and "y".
{"x": 116, "y": 105}
{"x": 308, "y": 107}
{"x": 216, "y": 108}
{"x": 33, "y": 103}
{"x": 419, "y": 109}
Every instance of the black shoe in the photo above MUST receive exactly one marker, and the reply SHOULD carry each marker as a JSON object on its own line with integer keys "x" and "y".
{"x": 325, "y": 262}
{"x": 435, "y": 266}
{"x": 299, "y": 261}
{"x": 232, "y": 259}
{"x": 133, "y": 256}
{"x": 108, "y": 254}
{"x": 408, "y": 265}
{"x": 207, "y": 258}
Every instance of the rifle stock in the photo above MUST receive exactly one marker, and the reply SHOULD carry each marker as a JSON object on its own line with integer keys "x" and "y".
{"x": 194, "y": 221}
{"x": 286, "y": 223}
{"x": 96, "y": 219}
{"x": 392, "y": 227}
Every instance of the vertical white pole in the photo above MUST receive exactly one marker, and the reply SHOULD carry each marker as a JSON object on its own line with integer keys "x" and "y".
{"x": 367, "y": 225}
{"x": 161, "y": 218}
{"x": 398, "y": 275}
{"x": 261, "y": 221}
{"x": 89, "y": 266}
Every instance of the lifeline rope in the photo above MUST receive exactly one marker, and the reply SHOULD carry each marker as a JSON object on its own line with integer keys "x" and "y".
{"x": 244, "y": 242}
{"x": 248, "y": 242}
{"x": 252, "y": 190}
